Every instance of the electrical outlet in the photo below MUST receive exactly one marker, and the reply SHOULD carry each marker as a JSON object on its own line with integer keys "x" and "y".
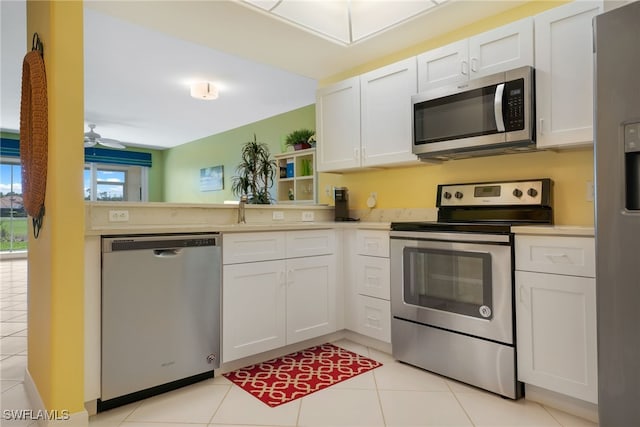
{"x": 118, "y": 216}
{"x": 278, "y": 215}
{"x": 307, "y": 216}
{"x": 590, "y": 191}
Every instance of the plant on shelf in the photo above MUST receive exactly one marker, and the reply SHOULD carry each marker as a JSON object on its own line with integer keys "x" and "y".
{"x": 255, "y": 173}
{"x": 301, "y": 139}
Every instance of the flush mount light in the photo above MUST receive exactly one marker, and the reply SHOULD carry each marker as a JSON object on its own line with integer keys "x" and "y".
{"x": 345, "y": 21}
{"x": 204, "y": 90}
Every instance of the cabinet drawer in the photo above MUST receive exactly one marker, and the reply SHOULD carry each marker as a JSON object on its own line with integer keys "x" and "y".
{"x": 372, "y": 243}
{"x": 372, "y": 275}
{"x": 310, "y": 243}
{"x": 560, "y": 255}
{"x": 250, "y": 247}
{"x": 374, "y": 318}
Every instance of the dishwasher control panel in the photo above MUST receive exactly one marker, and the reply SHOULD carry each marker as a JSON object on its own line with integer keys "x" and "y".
{"x": 165, "y": 241}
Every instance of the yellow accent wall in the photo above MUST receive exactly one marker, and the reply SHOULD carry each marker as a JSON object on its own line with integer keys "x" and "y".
{"x": 415, "y": 187}
{"x": 56, "y": 258}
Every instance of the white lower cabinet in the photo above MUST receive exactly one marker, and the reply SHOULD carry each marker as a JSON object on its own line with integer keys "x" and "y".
{"x": 556, "y": 322}
{"x": 371, "y": 277}
{"x": 311, "y": 297}
{"x": 269, "y": 304}
{"x": 254, "y": 303}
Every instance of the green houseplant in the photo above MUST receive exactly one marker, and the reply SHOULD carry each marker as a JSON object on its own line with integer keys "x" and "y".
{"x": 300, "y": 139}
{"x": 255, "y": 173}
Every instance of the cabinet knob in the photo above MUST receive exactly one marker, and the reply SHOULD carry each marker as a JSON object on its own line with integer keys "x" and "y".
{"x": 532, "y": 192}
{"x": 459, "y": 195}
{"x": 517, "y": 193}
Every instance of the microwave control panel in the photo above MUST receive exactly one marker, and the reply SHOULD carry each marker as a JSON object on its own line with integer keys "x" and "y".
{"x": 513, "y": 105}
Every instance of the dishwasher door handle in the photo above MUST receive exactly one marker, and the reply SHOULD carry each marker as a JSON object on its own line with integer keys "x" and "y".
{"x": 167, "y": 253}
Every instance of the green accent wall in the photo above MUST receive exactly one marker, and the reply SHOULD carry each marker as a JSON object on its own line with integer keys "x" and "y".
{"x": 182, "y": 164}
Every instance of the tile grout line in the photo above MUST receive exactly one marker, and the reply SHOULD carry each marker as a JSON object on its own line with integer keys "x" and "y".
{"x": 455, "y": 396}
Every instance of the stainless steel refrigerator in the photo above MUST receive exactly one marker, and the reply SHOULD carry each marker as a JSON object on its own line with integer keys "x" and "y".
{"x": 617, "y": 169}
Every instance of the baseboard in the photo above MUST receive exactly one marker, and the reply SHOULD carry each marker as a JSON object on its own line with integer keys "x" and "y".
{"x": 279, "y": 352}
{"x": 77, "y": 419}
{"x": 384, "y": 347}
{"x": 568, "y": 404}
{"x": 232, "y": 365}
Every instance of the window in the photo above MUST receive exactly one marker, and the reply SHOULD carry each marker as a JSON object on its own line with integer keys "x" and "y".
{"x": 114, "y": 183}
{"x": 13, "y": 218}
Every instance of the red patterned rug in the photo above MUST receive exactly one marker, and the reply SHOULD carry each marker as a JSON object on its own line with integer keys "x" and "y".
{"x": 298, "y": 374}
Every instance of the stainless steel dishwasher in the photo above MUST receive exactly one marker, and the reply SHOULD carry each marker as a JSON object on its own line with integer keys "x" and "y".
{"x": 161, "y": 302}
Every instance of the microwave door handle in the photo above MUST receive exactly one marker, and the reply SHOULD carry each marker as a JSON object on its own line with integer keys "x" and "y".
{"x": 497, "y": 107}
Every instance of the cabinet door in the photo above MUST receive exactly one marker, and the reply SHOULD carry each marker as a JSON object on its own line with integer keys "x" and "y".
{"x": 564, "y": 74}
{"x": 386, "y": 113}
{"x": 556, "y": 330}
{"x": 502, "y": 49}
{"x": 338, "y": 126}
{"x": 445, "y": 65}
{"x": 311, "y": 297}
{"x": 253, "y": 315}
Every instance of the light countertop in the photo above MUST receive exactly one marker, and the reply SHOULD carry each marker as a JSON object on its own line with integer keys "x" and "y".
{"x": 232, "y": 228}
{"x": 554, "y": 230}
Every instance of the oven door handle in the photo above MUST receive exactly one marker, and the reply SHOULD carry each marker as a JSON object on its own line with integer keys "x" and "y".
{"x": 451, "y": 237}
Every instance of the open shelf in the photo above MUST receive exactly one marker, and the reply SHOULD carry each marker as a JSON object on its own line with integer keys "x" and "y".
{"x": 296, "y": 182}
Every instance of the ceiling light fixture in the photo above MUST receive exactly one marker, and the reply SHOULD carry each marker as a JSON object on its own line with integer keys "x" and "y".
{"x": 204, "y": 90}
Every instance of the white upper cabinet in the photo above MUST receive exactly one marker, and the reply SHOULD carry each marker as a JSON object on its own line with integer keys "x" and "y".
{"x": 505, "y": 48}
{"x": 445, "y": 65}
{"x": 386, "y": 113}
{"x": 338, "y": 126}
{"x": 564, "y": 74}
{"x": 366, "y": 120}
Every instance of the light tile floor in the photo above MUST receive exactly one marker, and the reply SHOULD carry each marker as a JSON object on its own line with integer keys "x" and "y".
{"x": 393, "y": 395}
{"x": 13, "y": 338}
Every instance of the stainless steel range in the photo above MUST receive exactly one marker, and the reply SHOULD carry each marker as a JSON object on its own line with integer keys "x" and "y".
{"x": 452, "y": 282}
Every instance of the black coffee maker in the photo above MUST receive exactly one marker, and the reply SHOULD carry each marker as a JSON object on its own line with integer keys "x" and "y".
{"x": 341, "y": 197}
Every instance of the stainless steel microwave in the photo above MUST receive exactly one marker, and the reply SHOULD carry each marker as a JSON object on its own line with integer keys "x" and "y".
{"x": 489, "y": 115}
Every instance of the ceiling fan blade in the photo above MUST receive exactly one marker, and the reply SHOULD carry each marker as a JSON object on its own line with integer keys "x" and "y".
{"x": 89, "y": 143}
{"x": 112, "y": 143}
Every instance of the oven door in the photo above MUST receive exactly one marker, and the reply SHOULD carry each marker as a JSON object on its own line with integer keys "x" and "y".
{"x": 458, "y": 282}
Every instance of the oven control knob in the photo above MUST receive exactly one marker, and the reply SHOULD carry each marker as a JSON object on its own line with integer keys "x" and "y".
{"x": 447, "y": 195}
{"x": 532, "y": 192}
{"x": 459, "y": 195}
{"x": 517, "y": 193}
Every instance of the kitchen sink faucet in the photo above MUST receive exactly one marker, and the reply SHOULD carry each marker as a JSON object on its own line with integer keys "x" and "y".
{"x": 241, "y": 218}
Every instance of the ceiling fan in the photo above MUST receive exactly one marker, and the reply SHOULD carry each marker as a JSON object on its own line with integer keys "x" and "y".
{"x": 92, "y": 138}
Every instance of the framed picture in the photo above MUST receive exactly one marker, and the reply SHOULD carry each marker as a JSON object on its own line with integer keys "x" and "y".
{"x": 212, "y": 178}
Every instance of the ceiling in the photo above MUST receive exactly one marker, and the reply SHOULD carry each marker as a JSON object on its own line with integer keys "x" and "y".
{"x": 141, "y": 56}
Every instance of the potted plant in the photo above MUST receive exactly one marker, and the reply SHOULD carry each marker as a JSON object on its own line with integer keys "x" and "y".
{"x": 255, "y": 173}
{"x": 300, "y": 139}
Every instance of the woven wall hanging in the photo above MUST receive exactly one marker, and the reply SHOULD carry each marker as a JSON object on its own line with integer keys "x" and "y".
{"x": 34, "y": 134}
